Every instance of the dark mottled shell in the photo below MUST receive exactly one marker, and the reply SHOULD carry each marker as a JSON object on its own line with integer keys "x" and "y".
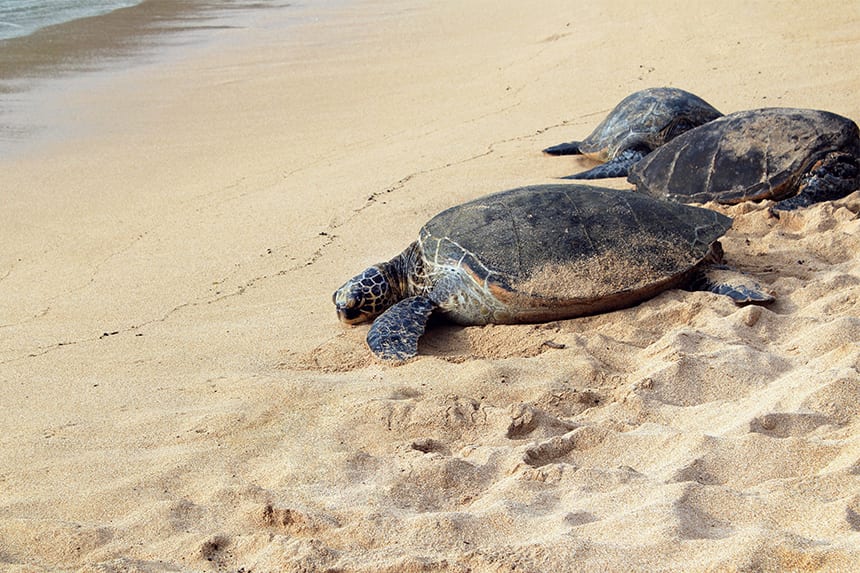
{"x": 573, "y": 243}
{"x": 647, "y": 119}
{"x": 749, "y": 155}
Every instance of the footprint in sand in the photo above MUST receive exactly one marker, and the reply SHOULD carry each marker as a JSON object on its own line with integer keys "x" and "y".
{"x": 558, "y": 447}
{"x": 526, "y": 420}
{"x": 427, "y": 484}
{"x": 429, "y": 445}
{"x": 290, "y": 521}
{"x": 216, "y": 550}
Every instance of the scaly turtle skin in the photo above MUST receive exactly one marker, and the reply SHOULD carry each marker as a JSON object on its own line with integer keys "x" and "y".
{"x": 534, "y": 254}
{"x": 794, "y": 156}
{"x": 641, "y": 123}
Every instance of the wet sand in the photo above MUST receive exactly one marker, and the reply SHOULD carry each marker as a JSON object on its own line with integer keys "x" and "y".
{"x": 179, "y": 396}
{"x": 95, "y": 42}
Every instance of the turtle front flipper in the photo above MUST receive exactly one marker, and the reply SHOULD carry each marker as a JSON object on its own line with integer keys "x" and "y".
{"x": 833, "y": 177}
{"x": 569, "y": 148}
{"x": 618, "y": 166}
{"x": 394, "y": 335}
{"x": 739, "y": 287}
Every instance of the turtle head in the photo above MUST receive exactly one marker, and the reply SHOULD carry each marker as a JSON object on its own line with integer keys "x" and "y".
{"x": 365, "y": 296}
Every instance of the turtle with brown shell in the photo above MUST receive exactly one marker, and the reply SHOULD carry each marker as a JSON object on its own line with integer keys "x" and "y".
{"x": 539, "y": 253}
{"x": 796, "y": 157}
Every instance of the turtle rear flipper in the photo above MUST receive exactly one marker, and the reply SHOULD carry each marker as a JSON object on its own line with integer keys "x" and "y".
{"x": 618, "y": 166}
{"x": 569, "y": 148}
{"x": 834, "y": 177}
{"x": 394, "y": 335}
{"x": 739, "y": 287}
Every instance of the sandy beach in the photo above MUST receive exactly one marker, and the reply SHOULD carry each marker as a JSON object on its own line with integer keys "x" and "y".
{"x": 178, "y": 394}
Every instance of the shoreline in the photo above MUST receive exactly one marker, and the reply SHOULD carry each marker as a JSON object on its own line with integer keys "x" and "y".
{"x": 39, "y": 67}
{"x": 97, "y": 42}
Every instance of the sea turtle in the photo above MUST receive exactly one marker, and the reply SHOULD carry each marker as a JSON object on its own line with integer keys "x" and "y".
{"x": 794, "y": 156}
{"x": 641, "y": 123}
{"x": 539, "y": 253}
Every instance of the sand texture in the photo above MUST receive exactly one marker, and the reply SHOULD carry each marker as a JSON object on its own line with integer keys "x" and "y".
{"x": 178, "y": 395}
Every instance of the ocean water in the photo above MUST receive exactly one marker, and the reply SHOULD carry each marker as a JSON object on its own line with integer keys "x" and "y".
{"x": 23, "y": 17}
{"x": 89, "y": 40}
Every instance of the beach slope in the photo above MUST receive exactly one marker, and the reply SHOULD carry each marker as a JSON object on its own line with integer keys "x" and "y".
{"x": 177, "y": 392}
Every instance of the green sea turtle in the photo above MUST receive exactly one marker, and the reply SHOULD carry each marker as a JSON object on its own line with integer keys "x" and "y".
{"x": 539, "y": 253}
{"x": 641, "y": 123}
{"x": 794, "y": 156}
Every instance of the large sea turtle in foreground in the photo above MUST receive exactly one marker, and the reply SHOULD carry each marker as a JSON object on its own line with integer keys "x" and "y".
{"x": 639, "y": 124}
{"x": 539, "y": 253}
{"x": 794, "y": 156}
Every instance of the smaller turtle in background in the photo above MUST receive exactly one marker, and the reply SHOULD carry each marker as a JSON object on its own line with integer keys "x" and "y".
{"x": 639, "y": 124}
{"x": 796, "y": 157}
{"x": 540, "y": 253}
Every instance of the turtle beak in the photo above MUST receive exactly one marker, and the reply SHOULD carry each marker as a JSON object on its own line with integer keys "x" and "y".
{"x": 350, "y": 315}
{"x": 348, "y": 301}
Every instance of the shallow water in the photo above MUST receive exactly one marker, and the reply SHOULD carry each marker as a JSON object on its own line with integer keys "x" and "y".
{"x": 61, "y": 43}
{"x": 23, "y": 17}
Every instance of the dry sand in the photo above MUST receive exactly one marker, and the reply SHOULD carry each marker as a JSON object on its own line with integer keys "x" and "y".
{"x": 177, "y": 394}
